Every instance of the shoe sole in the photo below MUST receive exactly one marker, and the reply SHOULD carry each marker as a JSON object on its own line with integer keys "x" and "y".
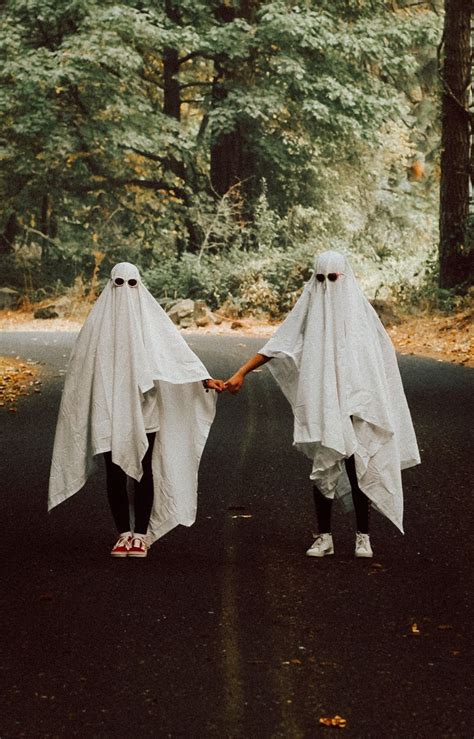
{"x": 119, "y": 555}
{"x": 364, "y": 556}
{"x": 137, "y": 555}
{"x": 323, "y": 554}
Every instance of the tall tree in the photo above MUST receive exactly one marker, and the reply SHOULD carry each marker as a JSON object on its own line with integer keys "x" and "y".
{"x": 123, "y": 112}
{"x": 456, "y": 258}
{"x": 230, "y": 162}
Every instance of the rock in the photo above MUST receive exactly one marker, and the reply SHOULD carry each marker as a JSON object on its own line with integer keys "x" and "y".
{"x": 236, "y": 324}
{"x": 202, "y": 314}
{"x": 182, "y": 309}
{"x": 63, "y": 306}
{"x": 386, "y": 312}
{"x": 9, "y": 298}
{"x": 187, "y": 322}
{"x": 200, "y": 309}
{"x": 47, "y": 312}
{"x": 167, "y": 303}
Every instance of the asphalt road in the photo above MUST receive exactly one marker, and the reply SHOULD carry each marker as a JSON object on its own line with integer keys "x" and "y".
{"x": 227, "y": 629}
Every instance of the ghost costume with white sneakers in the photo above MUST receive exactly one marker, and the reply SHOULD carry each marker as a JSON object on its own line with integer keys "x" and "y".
{"x": 335, "y": 363}
{"x": 131, "y": 372}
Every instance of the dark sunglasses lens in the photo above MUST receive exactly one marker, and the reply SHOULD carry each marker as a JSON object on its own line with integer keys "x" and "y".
{"x": 320, "y": 278}
{"x": 132, "y": 283}
{"x": 119, "y": 280}
{"x": 332, "y": 276}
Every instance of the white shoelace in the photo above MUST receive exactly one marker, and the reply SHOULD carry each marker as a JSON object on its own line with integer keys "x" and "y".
{"x": 122, "y": 541}
{"x": 319, "y": 541}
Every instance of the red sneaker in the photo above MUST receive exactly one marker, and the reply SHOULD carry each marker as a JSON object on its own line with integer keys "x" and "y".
{"x": 138, "y": 547}
{"x": 122, "y": 546}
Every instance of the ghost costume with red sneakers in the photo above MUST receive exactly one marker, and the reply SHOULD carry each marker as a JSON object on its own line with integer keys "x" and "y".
{"x": 336, "y": 365}
{"x": 131, "y": 372}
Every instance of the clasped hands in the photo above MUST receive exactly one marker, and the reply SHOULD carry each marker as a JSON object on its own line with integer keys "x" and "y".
{"x": 233, "y": 384}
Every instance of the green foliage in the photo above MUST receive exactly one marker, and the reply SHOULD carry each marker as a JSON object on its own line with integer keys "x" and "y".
{"x": 330, "y": 104}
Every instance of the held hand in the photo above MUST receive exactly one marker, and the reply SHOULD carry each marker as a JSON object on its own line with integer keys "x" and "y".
{"x": 217, "y": 385}
{"x": 234, "y": 383}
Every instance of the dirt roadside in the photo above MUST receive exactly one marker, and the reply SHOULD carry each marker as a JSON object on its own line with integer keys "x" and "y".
{"x": 447, "y": 338}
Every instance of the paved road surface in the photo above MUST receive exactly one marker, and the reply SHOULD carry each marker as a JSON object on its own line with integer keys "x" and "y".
{"x": 227, "y": 629}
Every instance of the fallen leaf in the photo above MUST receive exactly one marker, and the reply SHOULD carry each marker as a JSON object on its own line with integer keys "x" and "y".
{"x": 336, "y": 721}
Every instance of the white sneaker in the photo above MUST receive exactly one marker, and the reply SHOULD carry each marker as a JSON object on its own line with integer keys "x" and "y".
{"x": 362, "y": 547}
{"x": 322, "y": 545}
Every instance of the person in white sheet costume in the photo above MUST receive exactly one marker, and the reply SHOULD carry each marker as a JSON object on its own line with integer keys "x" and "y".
{"x": 336, "y": 365}
{"x": 134, "y": 393}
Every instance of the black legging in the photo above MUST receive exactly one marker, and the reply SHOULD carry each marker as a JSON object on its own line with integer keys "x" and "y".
{"x": 143, "y": 492}
{"x": 361, "y": 503}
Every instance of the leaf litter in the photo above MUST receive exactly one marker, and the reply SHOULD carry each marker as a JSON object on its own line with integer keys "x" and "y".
{"x": 437, "y": 335}
{"x": 17, "y": 378}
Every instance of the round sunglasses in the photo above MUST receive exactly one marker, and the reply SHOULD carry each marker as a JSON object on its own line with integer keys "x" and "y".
{"x": 332, "y": 276}
{"x": 119, "y": 281}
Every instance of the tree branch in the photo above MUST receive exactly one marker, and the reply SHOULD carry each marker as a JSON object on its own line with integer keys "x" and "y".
{"x": 194, "y": 55}
{"x": 195, "y": 84}
{"x": 29, "y": 229}
{"x": 179, "y": 192}
{"x": 146, "y": 154}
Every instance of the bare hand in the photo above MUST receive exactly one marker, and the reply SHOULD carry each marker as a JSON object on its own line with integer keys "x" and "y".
{"x": 234, "y": 383}
{"x": 217, "y": 385}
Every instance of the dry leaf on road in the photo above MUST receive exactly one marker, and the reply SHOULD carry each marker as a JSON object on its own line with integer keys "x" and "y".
{"x": 336, "y": 721}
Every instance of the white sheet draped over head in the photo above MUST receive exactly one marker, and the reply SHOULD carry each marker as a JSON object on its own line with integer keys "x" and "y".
{"x": 335, "y": 362}
{"x": 127, "y": 358}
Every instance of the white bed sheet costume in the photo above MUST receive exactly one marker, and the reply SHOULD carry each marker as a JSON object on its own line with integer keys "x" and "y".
{"x": 128, "y": 357}
{"x": 333, "y": 360}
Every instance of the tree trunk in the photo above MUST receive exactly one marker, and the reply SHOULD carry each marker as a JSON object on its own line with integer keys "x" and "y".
{"x": 10, "y": 232}
{"x": 228, "y": 160}
{"x": 172, "y": 93}
{"x": 172, "y": 96}
{"x": 47, "y": 226}
{"x": 231, "y": 161}
{"x": 456, "y": 258}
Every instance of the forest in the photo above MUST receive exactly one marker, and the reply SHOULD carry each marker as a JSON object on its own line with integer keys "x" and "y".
{"x": 220, "y": 144}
